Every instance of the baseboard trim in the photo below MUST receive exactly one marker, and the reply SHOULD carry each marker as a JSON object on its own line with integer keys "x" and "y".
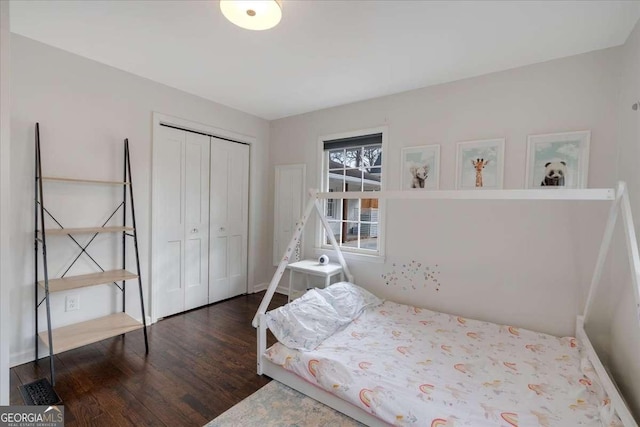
{"x": 260, "y": 287}
{"x": 23, "y": 357}
{"x": 263, "y": 287}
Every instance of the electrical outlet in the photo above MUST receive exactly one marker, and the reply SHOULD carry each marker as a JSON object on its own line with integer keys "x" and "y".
{"x": 72, "y": 303}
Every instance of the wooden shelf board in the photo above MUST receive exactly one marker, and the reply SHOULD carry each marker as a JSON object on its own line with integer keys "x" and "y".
{"x": 83, "y": 181}
{"x": 87, "y": 230}
{"x": 84, "y": 333}
{"x": 84, "y": 280}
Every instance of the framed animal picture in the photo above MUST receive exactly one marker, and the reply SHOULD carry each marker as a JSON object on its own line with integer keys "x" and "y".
{"x": 480, "y": 164}
{"x": 420, "y": 168}
{"x": 558, "y": 160}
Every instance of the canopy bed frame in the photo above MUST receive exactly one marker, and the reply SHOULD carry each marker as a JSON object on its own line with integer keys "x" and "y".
{"x": 620, "y": 206}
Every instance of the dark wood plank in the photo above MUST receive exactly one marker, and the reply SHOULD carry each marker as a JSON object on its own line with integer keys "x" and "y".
{"x": 32, "y": 371}
{"x": 14, "y": 383}
{"x": 200, "y": 364}
{"x": 148, "y": 384}
{"x": 104, "y": 385}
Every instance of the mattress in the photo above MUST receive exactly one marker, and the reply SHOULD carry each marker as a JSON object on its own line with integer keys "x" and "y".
{"x": 412, "y": 366}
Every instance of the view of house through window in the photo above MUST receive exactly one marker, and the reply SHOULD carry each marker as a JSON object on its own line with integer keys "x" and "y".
{"x": 354, "y": 164}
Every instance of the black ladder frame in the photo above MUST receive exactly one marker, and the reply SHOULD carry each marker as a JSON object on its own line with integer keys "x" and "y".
{"x": 40, "y": 239}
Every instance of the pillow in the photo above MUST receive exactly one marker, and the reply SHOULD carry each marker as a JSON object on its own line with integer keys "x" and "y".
{"x": 305, "y": 322}
{"x": 349, "y": 300}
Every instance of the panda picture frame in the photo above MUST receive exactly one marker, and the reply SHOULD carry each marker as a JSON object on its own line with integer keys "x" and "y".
{"x": 420, "y": 168}
{"x": 558, "y": 160}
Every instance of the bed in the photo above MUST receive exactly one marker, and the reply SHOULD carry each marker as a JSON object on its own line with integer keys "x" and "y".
{"x": 384, "y": 363}
{"x": 411, "y": 366}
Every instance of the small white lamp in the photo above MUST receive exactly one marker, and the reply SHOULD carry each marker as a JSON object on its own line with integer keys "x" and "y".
{"x": 252, "y": 14}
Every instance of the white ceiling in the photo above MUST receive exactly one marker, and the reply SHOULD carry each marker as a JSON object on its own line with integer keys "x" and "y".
{"x": 323, "y": 53}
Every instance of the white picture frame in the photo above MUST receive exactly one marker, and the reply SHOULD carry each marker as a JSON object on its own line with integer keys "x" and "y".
{"x": 420, "y": 168}
{"x": 482, "y": 162}
{"x": 558, "y": 160}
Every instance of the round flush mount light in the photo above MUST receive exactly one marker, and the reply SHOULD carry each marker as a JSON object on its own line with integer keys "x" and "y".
{"x": 252, "y": 14}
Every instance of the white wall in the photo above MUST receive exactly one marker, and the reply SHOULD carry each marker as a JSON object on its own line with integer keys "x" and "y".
{"x": 86, "y": 109}
{"x": 625, "y": 332}
{"x": 5, "y": 262}
{"x": 491, "y": 264}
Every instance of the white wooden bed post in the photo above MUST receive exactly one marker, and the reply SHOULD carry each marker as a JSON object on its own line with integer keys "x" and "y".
{"x": 271, "y": 289}
{"x": 604, "y": 248}
{"x": 275, "y": 280}
{"x": 620, "y": 205}
{"x": 258, "y": 320}
{"x": 632, "y": 247}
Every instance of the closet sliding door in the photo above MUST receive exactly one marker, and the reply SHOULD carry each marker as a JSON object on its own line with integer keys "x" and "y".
{"x": 229, "y": 216}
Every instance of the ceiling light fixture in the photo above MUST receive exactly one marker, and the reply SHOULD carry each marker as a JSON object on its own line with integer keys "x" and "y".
{"x": 252, "y": 14}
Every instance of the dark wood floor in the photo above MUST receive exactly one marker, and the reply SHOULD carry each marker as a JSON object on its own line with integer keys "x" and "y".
{"x": 200, "y": 364}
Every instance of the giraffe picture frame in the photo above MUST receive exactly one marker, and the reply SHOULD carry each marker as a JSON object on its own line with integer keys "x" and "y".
{"x": 480, "y": 164}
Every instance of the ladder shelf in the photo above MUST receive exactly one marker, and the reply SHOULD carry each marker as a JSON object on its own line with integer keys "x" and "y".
{"x": 84, "y": 230}
{"x": 79, "y": 334}
{"x": 82, "y": 181}
{"x": 91, "y": 331}
{"x": 85, "y": 280}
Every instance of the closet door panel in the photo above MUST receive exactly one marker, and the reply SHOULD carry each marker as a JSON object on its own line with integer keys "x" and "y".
{"x": 237, "y": 276}
{"x": 171, "y": 270}
{"x": 236, "y": 186}
{"x": 238, "y": 214}
{"x": 171, "y": 224}
{"x": 219, "y": 186}
{"x": 229, "y": 218}
{"x": 218, "y": 283}
{"x": 193, "y": 276}
{"x": 197, "y": 220}
{"x": 196, "y": 170}
{"x": 170, "y": 199}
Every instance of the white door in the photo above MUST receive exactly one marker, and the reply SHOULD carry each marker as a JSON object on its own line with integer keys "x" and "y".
{"x": 229, "y": 204}
{"x": 183, "y": 220}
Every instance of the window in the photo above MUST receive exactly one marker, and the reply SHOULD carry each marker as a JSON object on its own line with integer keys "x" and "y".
{"x": 354, "y": 164}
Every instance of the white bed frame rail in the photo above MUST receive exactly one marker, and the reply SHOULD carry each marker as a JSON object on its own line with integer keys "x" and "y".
{"x": 620, "y": 205}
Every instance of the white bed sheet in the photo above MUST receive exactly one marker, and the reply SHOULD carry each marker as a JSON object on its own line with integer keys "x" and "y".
{"x": 412, "y": 366}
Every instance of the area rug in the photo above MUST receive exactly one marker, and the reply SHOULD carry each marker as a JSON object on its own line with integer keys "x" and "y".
{"x": 276, "y": 405}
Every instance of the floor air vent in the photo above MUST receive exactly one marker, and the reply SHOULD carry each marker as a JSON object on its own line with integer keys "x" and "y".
{"x": 39, "y": 392}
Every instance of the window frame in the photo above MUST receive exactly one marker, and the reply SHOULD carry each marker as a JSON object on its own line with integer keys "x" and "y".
{"x": 354, "y": 253}
{"x": 331, "y": 206}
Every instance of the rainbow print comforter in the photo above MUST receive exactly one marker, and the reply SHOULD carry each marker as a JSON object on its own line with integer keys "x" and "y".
{"x": 411, "y": 366}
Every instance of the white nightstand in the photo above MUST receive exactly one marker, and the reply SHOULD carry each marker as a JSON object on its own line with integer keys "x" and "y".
{"x": 310, "y": 267}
